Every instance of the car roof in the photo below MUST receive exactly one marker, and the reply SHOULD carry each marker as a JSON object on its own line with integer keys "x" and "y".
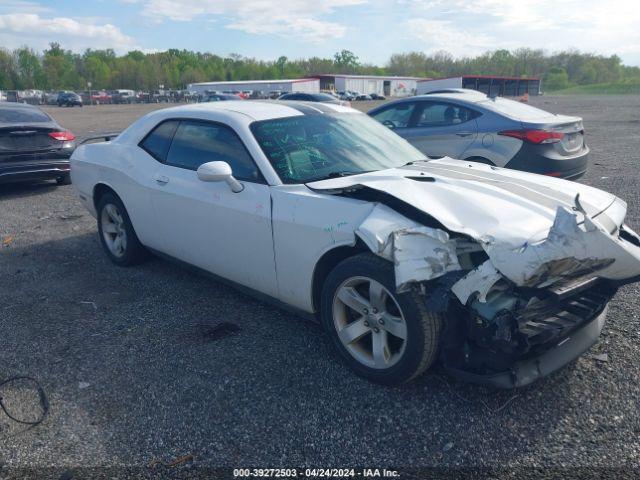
{"x": 456, "y": 96}
{"x": 258, "y": 110}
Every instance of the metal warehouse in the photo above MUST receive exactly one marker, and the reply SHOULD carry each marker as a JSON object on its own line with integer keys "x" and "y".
{"x": 490, "y": 84}
{"x": 367, "y": 84}
{"x": 308, "y": 85}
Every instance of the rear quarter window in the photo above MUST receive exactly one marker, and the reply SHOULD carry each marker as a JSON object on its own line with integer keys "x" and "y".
{"x": 158, "y": 141}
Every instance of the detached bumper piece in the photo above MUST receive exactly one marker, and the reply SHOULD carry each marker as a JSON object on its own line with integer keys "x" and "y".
{"x": 518, "y": 348}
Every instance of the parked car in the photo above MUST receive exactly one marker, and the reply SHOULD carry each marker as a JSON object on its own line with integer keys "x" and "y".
{"x": 238, "y": 93}
{"x": 503, "y": 276}
{"x": 101, "y": 97}
{"x": 123, "y": 96}
{"x": 159, "y": 96}
{"x": 33, "y": 145}
{"x": 274, "y": 94}
{"x": 362, "y": 97}
{"x": 375, "y": 96}
{"x": 69, "y": 99}
{"x": 51, "y": 98}
{"x": 496, "y": 131}
{"x": 346, "y": 96}
{"x": 219, "y": 97}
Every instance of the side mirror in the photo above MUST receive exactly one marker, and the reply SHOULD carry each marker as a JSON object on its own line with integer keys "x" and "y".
{"x": 219, "y": 172}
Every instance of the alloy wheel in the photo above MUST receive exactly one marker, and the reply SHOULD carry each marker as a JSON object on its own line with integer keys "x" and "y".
{"x": 369, "y": 322}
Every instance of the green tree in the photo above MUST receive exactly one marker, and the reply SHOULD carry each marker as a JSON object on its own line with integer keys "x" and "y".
{"x": 346, "y": 61}
{"x": 557, "y": 79}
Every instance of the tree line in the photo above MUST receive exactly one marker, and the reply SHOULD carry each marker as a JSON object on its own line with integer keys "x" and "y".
{"x": 57, "y": 68}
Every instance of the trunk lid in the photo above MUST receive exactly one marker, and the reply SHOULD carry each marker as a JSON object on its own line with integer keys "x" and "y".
{"x": 26, "y": 138}
{"x": 571, "y": 127}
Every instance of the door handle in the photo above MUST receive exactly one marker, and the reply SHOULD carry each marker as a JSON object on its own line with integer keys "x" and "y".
{"x": 161, "y": 179}
{"x": 464, "y": 134}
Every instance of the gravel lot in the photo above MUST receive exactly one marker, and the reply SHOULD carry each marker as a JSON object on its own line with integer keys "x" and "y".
{"x": 135, "y": 370}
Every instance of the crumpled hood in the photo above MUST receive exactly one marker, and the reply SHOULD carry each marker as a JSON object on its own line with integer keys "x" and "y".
{"x": 479, "y": 200}
{"x": 537, "y": 231}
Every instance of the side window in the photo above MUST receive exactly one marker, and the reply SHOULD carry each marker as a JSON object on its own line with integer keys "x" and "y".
{"x": 195, "y": 143}
{"x": 397, "y": 116}
{"x": 157, "y": 142}
{"x": 436, "y": 114}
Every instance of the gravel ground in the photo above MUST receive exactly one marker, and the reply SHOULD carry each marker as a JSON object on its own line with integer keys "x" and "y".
{"x": 135, "y": 369}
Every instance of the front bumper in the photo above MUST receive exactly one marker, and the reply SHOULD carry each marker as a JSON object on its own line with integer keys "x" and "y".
{"x": 518, "y": 347}
{"x": 544, "y": 160}
{"x": 528, "y": 371}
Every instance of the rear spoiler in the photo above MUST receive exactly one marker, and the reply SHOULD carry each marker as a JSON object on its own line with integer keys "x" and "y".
{"x": 103, "y": 137}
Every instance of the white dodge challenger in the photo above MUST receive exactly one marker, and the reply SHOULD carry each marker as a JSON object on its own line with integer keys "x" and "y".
{"x": 502, "y": 276}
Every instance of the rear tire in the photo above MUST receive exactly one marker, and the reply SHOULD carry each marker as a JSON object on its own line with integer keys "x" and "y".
{"x": 117, "y": 236}
{"x": 64, "y": 180}
{"x": 366, "y": 319}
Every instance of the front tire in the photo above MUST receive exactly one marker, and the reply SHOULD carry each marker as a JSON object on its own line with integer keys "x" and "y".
{"x": 384, "y": 336}
{"x": 117, "y": 236}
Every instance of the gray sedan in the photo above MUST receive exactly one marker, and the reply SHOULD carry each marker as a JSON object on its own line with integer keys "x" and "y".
{"x": 468, "y": 125}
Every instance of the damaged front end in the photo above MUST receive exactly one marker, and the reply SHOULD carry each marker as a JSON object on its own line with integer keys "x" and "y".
{"x": 515, "y": 313}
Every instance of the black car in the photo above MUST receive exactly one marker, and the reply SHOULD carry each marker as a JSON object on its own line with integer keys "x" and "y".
{"x": 220, "y": 97}
{"x": 375, "y": 96}
{"x": 32, "y": 145}
{"x": 69, "y": 99}
{"x": 310, "y": 97}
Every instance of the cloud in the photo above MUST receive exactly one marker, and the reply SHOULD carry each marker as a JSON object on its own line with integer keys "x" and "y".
{"x": 22, "y": 6}
{"x": 588, "y": 25}
{"x": 302, "y": 19}
{"x": 437, "y": 35}
{"x": 17, "y": 29}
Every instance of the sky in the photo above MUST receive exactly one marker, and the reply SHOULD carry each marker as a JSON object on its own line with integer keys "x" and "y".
{"x": 372, "y": 29}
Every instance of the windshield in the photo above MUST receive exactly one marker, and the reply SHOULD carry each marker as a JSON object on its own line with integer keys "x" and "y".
{"x": 313, "y": 147}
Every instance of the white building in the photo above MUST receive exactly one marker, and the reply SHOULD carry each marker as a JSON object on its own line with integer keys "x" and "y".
{"x": 307, "y": 85}
{"x": 367, "y": 84}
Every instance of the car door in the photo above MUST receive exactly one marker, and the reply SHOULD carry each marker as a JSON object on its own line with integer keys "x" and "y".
{"x": 441, "y": 129}
{"x": 205, "y": 223}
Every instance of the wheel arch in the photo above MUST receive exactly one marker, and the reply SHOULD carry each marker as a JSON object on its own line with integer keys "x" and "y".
{"x": 326, "y": 263}
{"x": 99, "y": 190}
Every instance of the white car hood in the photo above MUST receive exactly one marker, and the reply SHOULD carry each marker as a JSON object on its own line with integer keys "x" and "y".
{"x": 536, "y": 230}
{"x": 479, "y": 200}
